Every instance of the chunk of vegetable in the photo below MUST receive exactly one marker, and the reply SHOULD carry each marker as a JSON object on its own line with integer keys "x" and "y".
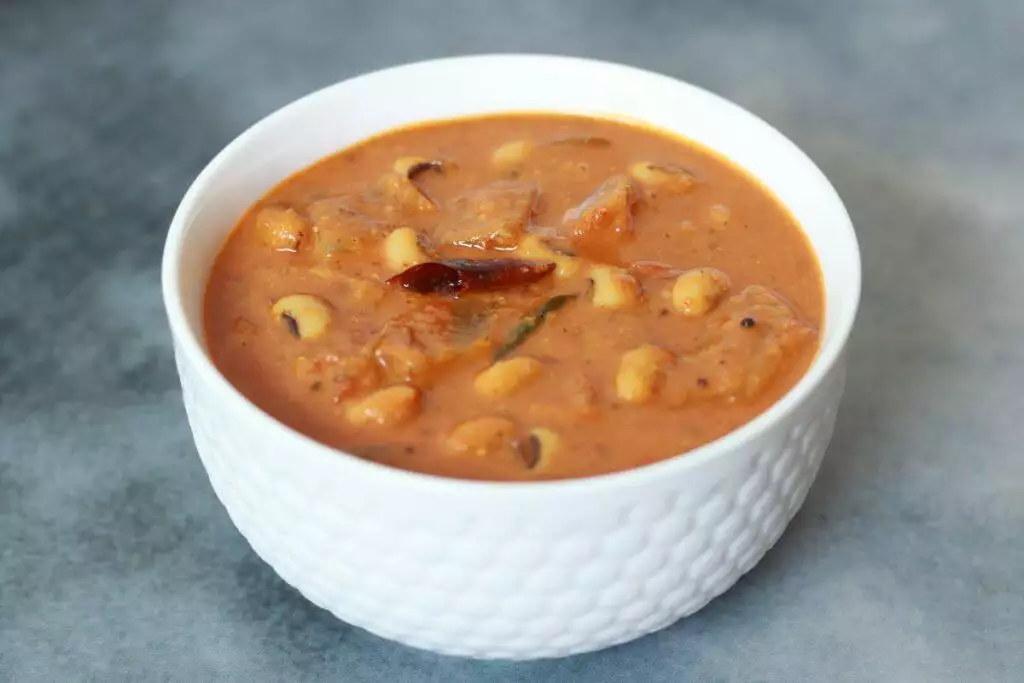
{"x": 385, "y": 408}
{"x": 339, "y": 230}
{"x": 402, "y": 249}
{"x": 304, "y": 315}
{"x": 739, "y": 359}
{"x": 511, "y": 155}
{"x": 696, "y": 292}
{"x": 281, "y": 229}
{"x": 492, "y": 217}
{"x": 529, "y": 324}
{"x": 454, "y": 278}
{"x": 604, "y": 219}
{"x": 506, "y": 376}
{"x": 485, "y": 437}
{"x": 427, "y": 326}
{"x": 638, "y": 373}
{"x": 614, "y": 288}
{"x": 472, "y": 318}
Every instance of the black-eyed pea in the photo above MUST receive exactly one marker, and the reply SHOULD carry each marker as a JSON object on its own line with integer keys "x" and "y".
{"x": 614, "y": 287}
{"x": 385, "y": 408}
{"x": 403, "y": 165}
{"x": 639, "y": 370}
{"x": 511, "y": 155}
{"x": 401, "y": 194}
{"x": 304, "y": 315}
{"x": 280, "y": 228}
{"x": 533, "y": 248}
{"x": 652, "y": 176}
{"x": 484, "y": 437}
{"x": 506, "y": 376}
{"x": 696, "y": 292}
{"x": 402, "y": 249}
{"x": 542, "y": 446}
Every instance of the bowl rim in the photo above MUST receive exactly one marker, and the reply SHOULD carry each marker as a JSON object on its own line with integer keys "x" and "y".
{"x": 188, "y": 342}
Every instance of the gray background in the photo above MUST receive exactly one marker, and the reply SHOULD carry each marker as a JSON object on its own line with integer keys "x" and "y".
{"x": 117, "y": 562}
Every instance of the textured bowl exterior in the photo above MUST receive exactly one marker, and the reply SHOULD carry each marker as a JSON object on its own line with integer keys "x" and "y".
{"x": 498, "y": 570}
{"x": 539, "y": 582}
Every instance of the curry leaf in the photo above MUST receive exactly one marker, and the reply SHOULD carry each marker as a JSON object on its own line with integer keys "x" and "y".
{"x": 529, "y": 324}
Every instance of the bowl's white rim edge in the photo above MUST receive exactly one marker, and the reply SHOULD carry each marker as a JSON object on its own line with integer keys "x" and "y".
{"x": 192, "y": 347}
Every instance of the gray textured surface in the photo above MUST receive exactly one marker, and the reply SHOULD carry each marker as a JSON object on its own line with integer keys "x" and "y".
{"x": 117, "y": 562}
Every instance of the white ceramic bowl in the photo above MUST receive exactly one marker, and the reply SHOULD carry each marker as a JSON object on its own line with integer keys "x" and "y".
{"x": 505, "y": 570}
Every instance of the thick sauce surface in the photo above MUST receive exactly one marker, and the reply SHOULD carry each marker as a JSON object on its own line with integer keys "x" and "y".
{"x": 677, "y": 298}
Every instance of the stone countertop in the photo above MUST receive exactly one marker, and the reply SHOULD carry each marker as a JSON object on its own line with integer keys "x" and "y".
{"x": 117, "y": 562}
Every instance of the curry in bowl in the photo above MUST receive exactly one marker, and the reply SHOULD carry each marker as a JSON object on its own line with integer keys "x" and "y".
{"x": 516, "y": 297}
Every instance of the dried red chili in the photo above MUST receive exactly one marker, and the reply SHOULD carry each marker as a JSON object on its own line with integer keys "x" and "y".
{"x": 453, "y": 278}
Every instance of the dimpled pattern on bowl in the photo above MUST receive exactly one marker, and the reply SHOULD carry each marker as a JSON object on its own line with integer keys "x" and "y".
{"x": 508, "y": 578}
